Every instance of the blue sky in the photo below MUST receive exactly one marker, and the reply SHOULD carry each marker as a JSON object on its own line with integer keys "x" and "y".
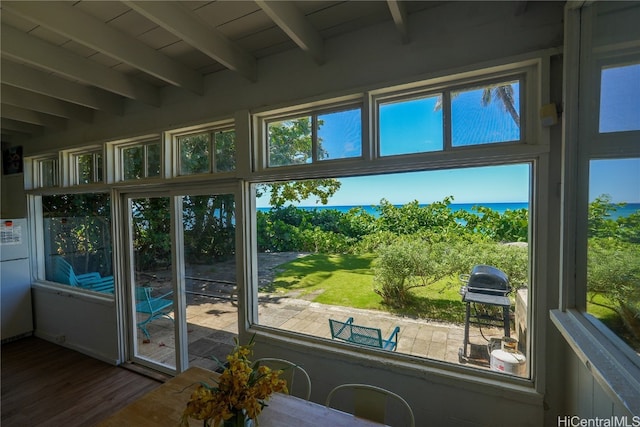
{"x": 619, "y": 111}
{"x": 619, "y": 178}
{"x": 620, "y": 99}
{"x": 464, "y": 184}
{"x": 410, "y": 126}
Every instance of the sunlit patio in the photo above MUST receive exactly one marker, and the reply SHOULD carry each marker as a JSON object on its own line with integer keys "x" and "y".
{"x": 212, "y": 325}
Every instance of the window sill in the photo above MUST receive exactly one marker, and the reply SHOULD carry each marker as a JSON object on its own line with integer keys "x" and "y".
{"x": 70, "y": 291}
{"x": 496, "y": 384}
{"x": 610, "y": 365}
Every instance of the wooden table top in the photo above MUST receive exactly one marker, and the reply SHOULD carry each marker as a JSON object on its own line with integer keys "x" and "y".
{"x": 163, "y": 406}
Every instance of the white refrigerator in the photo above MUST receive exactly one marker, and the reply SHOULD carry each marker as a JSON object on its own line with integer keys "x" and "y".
{"x": 15, "y": 279}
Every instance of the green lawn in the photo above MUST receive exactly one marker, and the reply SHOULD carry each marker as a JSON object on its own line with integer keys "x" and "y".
{"x": 347, "y": 280}
{"x": 606, "y": 315}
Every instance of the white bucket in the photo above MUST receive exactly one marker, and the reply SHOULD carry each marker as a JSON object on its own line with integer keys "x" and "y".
{"x": 508, "y": 362}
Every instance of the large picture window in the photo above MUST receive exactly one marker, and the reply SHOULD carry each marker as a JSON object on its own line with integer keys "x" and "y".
{"x": 388, "y": 251}
{"x": 77, "y": 241}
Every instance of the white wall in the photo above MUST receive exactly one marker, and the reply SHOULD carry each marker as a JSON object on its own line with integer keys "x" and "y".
{"x": 586, "y": 397}
{"x": 454, "y": 36}
{"x": 437, "y": 398}
{"x": 76, "y": 320}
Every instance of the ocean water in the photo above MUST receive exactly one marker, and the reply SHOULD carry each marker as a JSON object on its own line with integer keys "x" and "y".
{"x": 501, "y": 208}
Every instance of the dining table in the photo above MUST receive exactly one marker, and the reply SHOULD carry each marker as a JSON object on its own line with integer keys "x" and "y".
{"x": 163, "y": 406}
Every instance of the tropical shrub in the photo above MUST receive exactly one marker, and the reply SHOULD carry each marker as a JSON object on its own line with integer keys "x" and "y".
{"x": 511, "y": 226}
{"x": 614, "y": 272}
{"x": 319, "y": 241}
{"x": 406, "y": 264}
{"x": 276, "y": 235}
{"x": 513, "y": 260}
{"x": 370, "y": 243}
{"x": 412, "y": 218}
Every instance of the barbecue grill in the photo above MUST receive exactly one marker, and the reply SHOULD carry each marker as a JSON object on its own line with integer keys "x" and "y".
{"x": 488, "y": 286}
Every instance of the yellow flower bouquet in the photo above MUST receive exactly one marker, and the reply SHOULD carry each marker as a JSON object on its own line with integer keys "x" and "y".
{"x": 239, "y": 393}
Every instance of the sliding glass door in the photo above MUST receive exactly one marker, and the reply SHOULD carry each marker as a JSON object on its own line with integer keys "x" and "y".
{"x": 182, "y": 295}
{"x": 209, "y": 248}
{"x": 152, "y": 291}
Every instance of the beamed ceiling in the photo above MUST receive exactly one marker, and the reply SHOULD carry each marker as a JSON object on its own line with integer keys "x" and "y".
{"x": 64, "y": 61}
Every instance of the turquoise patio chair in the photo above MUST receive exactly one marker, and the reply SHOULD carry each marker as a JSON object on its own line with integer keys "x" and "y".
{"x": 64, "y": 273}
{"x": 152, "y": 307}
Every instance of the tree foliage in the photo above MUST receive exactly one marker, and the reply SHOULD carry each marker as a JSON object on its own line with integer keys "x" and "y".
{"x": 280, "y": 228}
{"x": 613, "y": 264}
{"x": 296, "y": 191}
{"x": 502, "y": 93}
{"x": 405, "y": 264}
{"x": 209, "y": 227}
{"x": 291, "y": 143}
{"x": 79, "y": 228}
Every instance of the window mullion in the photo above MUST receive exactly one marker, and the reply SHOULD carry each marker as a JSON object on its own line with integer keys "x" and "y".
{"x": 446, "y": 119}
{"x": 96, "y": 168}
{"x": 314, "y": 138}
{"x": 212, "y": 150}
{"x": 145, "y": 161}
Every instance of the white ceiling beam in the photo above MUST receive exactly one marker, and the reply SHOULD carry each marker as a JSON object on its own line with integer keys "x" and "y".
{"x": 21, "y": 127}
{"x": 292, "y": 21}
{"x": 399, "y": 15}
{"x": 44, "y": 104}
{"x": 72, "y": 22}
{"x": 33, "y": 117}
{"x": 21, "y": 76}
{"x": 186, "y": 25}
{"x": 25, "y": 48}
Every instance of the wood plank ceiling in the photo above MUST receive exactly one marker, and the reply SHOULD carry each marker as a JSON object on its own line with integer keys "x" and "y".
{"x": 62, "y": 61}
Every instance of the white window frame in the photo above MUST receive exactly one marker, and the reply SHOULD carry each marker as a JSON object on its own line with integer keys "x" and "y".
{"x": 212, "y": 129}
{"x": 33, "y": 171}
{"x": 534, "y": 149}
{"x": 611, "y": 362}
{"x": 445, "y": 91}
{"x": 38, "y": 250}
{"x": 71, "y": 169}
{"x": 115, "y": 158}
{"x": 333, "y": 105}
{"x": 313, "y": 113}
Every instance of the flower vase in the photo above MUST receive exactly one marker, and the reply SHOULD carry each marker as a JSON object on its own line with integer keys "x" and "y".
{"x": 240, "y": 419}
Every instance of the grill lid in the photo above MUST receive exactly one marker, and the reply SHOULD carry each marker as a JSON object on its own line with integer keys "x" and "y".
{"x": 489, "y": 280}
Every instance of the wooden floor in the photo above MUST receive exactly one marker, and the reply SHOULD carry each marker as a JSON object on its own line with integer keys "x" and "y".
{"x": 44, "y": 384}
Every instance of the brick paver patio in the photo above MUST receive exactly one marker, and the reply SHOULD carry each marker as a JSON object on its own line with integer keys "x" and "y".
{"x": 212, "y": 325}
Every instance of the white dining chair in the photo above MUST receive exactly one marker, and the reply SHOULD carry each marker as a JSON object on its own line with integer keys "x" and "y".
{"x": 290, "y": 372}
{"x": 369, "y": 401}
